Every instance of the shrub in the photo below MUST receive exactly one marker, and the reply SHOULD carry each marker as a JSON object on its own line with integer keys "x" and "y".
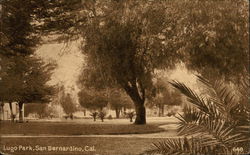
{"x": 94, "y": 115}
{"x": 130, "y": 115}
{"x": 102, "y": 115}
{"x": 110, "y": 117}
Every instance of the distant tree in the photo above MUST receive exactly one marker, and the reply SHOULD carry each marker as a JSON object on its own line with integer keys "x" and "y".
{"x": 35, "y": 108}
{"x": 68, "y": 105}
{"x": 95, "y": 102}
{"x": 165, "y": 96}
{"x": 118, "y": 101}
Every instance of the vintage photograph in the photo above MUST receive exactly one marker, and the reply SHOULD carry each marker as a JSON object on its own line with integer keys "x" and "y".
{"x": 124, "y": 77}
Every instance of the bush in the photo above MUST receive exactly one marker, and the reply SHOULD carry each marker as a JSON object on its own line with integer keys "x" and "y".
{"x": 94, "y": 115}
{"x": 130, "y": 115}
{"x": 110, "y": 117}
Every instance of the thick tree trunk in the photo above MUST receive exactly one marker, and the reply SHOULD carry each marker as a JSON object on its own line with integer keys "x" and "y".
{"x": 136, "y": 91}
{"x": 20, "y": 104}
{"x": 140, "y": 113}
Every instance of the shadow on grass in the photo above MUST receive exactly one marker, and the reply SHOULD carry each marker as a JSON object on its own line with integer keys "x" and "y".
{"x": 51, "y": 128}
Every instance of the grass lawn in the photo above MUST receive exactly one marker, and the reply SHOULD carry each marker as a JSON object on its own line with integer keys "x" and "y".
{"x": 89, "y": 145}
{"x": 68, "y": 128}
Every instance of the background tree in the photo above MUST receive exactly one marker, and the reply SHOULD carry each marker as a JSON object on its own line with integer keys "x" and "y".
{"x": 35, "y": 108}
{"x": 26, "y": 80}
{"x": 119, "y": 101}
{"x": 164, "y": 97}
{"x": 96, "y": 102}
{"x": 68, "y": 105}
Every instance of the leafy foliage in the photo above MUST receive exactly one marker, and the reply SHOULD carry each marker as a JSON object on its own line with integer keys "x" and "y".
{"x": 40, "y": 109}
{"x": 213, "y": 36}
{"x": 25, "y": 80}
{"x": 118, "y": 100}
{"x": 98, "y": 101}
{"x": 68, "y": 105}
{"x": 164, "y": 96}
{"x": 18, "y": 32}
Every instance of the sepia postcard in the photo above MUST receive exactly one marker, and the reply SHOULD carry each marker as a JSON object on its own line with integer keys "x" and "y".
{"x": 124, "y": 77}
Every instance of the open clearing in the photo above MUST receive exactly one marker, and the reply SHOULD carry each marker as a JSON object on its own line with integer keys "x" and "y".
{"x": 83, "y": 137}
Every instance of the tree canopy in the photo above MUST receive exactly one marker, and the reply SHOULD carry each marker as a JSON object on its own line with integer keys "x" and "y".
{"x": 94, "y": 100}
{"x": 67, "y": 104}
{"x": 119, "y": 100}
{"x": 25, "y": 80}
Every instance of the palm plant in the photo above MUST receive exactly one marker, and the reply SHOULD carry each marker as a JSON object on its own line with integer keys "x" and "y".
{"x": 214, "y": 123}
{"x": 130, "y": 115}
{"x": 102, "y": 115}
{"x": 94, "y": 115}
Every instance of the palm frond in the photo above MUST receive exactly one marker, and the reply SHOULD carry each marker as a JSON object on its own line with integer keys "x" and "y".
{"x": 171, "y": 147}
{"x": 221, "y": 96}
{"x": 181, "y": 146}
{"x": 215, "y": 131}
{"x": 192, "y": 96}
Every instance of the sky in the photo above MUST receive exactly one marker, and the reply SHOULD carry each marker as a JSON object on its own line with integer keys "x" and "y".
{"x": 70, "y": 60}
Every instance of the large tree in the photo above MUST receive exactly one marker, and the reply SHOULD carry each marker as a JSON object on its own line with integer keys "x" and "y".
{"x": 24, "y": 76}
{"x": 25, "y": 81}
{"x": 125, "y": 42}
{"x": 125, "y": 47}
